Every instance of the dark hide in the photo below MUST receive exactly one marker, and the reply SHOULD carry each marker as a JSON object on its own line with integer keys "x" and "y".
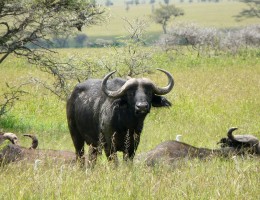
{"x": 244, "y": 143}
{"x": 240, "y": 146}
{"x": 114, "y": 124}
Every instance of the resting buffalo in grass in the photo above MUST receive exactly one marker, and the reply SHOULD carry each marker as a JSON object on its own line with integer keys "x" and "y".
{"x": 111, "y": 113}
{"x": 169, "y": 152}
{"x": 13, "y": 153}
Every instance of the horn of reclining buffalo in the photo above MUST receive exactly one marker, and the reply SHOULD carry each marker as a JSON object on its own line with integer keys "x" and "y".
{"x": 230, "y": 133}
{"x": 34, "y": 141}
{"x": 121, "y": 91}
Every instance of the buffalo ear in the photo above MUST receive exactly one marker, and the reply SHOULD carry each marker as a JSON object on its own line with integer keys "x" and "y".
{"x": 159, "y": 101}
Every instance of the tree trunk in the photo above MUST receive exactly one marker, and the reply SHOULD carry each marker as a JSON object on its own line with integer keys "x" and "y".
{"x": 164, "y": 28}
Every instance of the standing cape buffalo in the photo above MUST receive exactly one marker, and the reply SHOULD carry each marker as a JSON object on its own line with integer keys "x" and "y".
{"x": 110, "y": 114}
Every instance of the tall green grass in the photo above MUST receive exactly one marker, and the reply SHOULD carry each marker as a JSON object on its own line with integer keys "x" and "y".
{"x": 214, "y": 179}
{"x": 210, "y": 96}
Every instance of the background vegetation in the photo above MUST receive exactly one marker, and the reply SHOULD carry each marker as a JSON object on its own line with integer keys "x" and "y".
{"x": 220, "y": 15}
{"x": 212, "y": 93}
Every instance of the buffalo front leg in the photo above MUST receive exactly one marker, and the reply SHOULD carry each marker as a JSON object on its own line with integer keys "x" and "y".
{"x": 111, "y": 154}
{"x": 129, "y": 155}
{"x": 129, "y": 152}
{"x": 92, "y": 156}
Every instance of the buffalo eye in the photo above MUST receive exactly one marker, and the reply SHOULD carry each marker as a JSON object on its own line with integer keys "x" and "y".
{"x": 148, "y": 92}
{"x": 131, "y": 93}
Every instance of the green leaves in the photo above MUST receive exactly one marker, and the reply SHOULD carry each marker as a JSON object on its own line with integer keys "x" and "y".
{"x": 163, "y": 14}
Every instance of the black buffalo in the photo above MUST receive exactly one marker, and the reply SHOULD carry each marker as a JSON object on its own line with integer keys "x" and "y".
{"x": 110, "y": 114}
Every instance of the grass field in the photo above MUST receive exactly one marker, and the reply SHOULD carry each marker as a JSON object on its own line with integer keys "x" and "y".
{"x": 211, "y": 94}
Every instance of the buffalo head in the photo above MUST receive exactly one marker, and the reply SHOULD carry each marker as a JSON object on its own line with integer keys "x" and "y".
{"x": 140, "y": 93}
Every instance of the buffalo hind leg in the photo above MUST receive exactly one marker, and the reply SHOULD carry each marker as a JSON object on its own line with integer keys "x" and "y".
{"x": 78, "y": 142}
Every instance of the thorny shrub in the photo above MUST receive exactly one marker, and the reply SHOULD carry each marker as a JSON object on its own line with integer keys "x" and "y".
{"x": 208, "y": 41}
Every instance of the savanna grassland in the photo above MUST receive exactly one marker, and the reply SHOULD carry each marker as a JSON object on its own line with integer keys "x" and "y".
{"x": 211, "y": 94}
{"x": 220, "y": 15}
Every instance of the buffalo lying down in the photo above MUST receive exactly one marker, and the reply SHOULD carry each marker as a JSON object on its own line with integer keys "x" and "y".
{"x": 170, "y": 151}
{"x": 14, "y": 153}
{"x": 110, "y": 113}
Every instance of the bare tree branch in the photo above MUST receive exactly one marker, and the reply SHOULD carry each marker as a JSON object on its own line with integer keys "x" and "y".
{"x": 28, "y": 35}
{"x": 14, "y": 94}
{"x": 34, "y": 22}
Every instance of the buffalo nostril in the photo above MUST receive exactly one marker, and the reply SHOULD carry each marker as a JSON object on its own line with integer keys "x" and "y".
{"x": 142, "y": 106}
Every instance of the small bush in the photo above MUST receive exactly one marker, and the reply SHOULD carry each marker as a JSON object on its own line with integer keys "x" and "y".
{"x": 208, "y": 40}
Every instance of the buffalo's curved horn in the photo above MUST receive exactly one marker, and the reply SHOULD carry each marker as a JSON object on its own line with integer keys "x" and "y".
{"x": 230, "y": 131}
{"x": 132, "y": 81}
{"x": 120, "y": 91}
{"x": 34, "y": 141}
{"x": 11, "y": 137}
{"x": 168, "y": 88}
